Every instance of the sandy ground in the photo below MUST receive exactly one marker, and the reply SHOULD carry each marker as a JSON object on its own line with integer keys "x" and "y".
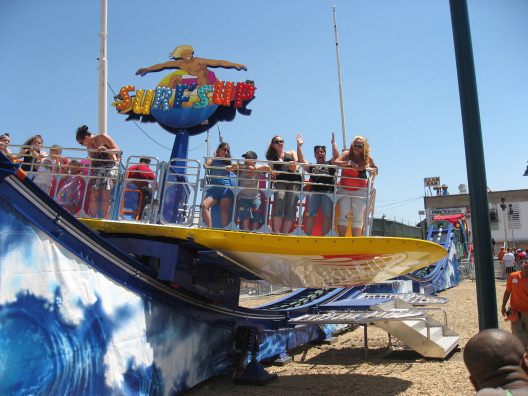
{"x": 341, "y": 369}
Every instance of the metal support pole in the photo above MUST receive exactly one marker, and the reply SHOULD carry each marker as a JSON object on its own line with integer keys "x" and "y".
{"x": 478, "y": 193}
{"x": 103, "y": 68}
{"x": 340, "y": 84}
{"x": 503, "y": 207}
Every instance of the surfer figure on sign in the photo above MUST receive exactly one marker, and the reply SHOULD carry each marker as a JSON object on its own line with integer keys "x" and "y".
{"x": 184, "y": 60}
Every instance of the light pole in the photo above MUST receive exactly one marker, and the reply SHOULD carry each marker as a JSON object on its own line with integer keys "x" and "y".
{"x": 503, "y": 207}
{"x": 510, "y": 212}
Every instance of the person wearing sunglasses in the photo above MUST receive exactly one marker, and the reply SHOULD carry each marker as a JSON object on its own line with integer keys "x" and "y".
{"x": 220, "y": 192}
{"x": 287, "y": 184}
{"x": 353, "y": 185}
{"x": 322, "y": 185}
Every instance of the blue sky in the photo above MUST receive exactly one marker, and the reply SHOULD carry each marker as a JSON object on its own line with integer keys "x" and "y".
{"x": 397, "y": 66}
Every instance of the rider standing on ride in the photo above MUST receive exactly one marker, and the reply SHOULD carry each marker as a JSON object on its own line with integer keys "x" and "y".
{"x": 355, "y": 162}
{"x": 220, "y": 192}
{"x": 322, "y": 179}
{"x": 105, "y": 168}
{"x": 287, "y": 183}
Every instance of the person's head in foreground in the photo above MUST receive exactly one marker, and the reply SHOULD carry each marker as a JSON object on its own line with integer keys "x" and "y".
{"x": 496, "y": 359}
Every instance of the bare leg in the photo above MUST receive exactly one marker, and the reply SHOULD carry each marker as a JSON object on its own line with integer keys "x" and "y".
{"x": 326, "y": 225}
{"x": 309, "y": 224}
{"x": 356, "y": 231}
{"x": 276, "y": 223}
{"x": 225, "y": 205}
{"x": 287, "y": 226}
{"x": 341, "y": 230}
{"x": 245, "y": 224}
{"x": 206, "y": 215}
{"x": 105, "y": 204}
{"x": 177, "y": 79}
{"x": 203, "y": 77}
{"x": 93, "y": 208}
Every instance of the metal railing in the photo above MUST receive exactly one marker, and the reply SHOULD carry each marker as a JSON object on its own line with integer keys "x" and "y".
{"x": 174, "y": 191}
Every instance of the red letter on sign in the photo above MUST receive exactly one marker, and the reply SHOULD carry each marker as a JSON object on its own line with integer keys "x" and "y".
{"x": 244, "y": 91}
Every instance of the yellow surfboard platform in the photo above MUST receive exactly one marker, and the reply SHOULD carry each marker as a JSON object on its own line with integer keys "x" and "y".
{"x": 300, "y": 261}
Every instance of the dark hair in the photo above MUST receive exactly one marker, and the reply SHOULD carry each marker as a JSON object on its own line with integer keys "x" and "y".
{"x": 221, "y": 146}
{"x": 320, "y": 147}
{"x": 30, "y": 140}
{"x": 271, "y": 153}
{"x": 145, "y": 160}
{"x": 82, "y": 132}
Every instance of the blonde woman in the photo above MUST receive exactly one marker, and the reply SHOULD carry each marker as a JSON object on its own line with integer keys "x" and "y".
{"x": 353, "y": 185}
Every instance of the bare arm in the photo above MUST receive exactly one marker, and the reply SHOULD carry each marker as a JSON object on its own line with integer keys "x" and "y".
{"x": 105, "y": 142}
{"x": 265, "y": 168}
{"x": 300, "y": 153}
{"x": 294, "y": 167}
{"x": 159, "y": 66}
{"x": 342, "y": 159}
{"x": 221, "y": 63}
{"x": 335, "y": 149}
{"x": 372, "y": 164}
{"x": 505, "y": 299}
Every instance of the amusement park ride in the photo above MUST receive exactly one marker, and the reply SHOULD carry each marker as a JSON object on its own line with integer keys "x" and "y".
{"x": 148, "y": 300}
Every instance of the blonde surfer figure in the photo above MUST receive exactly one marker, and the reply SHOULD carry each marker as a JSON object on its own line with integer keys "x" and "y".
{"x": 184, "y": 59}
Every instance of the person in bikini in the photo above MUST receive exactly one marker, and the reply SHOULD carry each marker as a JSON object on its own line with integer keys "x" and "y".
{"x": 104, "y": 154}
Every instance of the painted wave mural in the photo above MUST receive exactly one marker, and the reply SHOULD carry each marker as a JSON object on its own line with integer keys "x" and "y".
{"x": 66, "y": 328}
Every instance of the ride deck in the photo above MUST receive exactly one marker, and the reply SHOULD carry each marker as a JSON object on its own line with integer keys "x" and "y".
{"x": 299, "y": 261}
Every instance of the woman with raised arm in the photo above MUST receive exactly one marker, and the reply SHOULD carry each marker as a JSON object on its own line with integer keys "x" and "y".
{"x": 105, "y": 168}
{"x": 287, "y": 183}
{"x": 353, "y": 185}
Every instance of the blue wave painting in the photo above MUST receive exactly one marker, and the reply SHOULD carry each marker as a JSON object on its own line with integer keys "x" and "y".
{"x": 67, "y": 329}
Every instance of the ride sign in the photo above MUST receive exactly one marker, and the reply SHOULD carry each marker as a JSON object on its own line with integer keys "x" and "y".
{"x": 187, "y": 97}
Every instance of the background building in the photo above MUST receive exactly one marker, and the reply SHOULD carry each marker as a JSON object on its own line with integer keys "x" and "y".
{"x": 508, "y": 211}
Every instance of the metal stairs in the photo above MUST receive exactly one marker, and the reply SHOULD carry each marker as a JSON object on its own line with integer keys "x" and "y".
{"x": 402, "y": 315}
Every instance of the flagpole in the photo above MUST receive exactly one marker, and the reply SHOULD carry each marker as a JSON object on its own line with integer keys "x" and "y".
{"x": 103, "y": 68}
{"x": 340, "y": 84}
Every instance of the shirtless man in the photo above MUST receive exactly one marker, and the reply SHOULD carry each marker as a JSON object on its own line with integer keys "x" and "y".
{"x": 184, "y": 60}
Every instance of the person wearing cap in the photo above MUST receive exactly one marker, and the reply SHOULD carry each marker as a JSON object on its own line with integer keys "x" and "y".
{"x": 250, "y": 210}
{"x": 322, "y": 185}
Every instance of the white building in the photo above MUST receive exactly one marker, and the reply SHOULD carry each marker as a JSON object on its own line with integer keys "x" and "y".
{"x": 508, "y": 211}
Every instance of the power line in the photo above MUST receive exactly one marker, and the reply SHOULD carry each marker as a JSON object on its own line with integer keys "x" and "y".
{"x": 399, "y": 203}
{"x": 141, "y": 129}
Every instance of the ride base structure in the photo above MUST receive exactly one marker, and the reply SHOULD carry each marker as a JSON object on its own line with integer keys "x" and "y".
{"x": 147, "y": 302}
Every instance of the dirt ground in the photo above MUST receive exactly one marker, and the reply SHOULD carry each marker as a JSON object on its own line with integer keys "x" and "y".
{"x": 341, "y": 369}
